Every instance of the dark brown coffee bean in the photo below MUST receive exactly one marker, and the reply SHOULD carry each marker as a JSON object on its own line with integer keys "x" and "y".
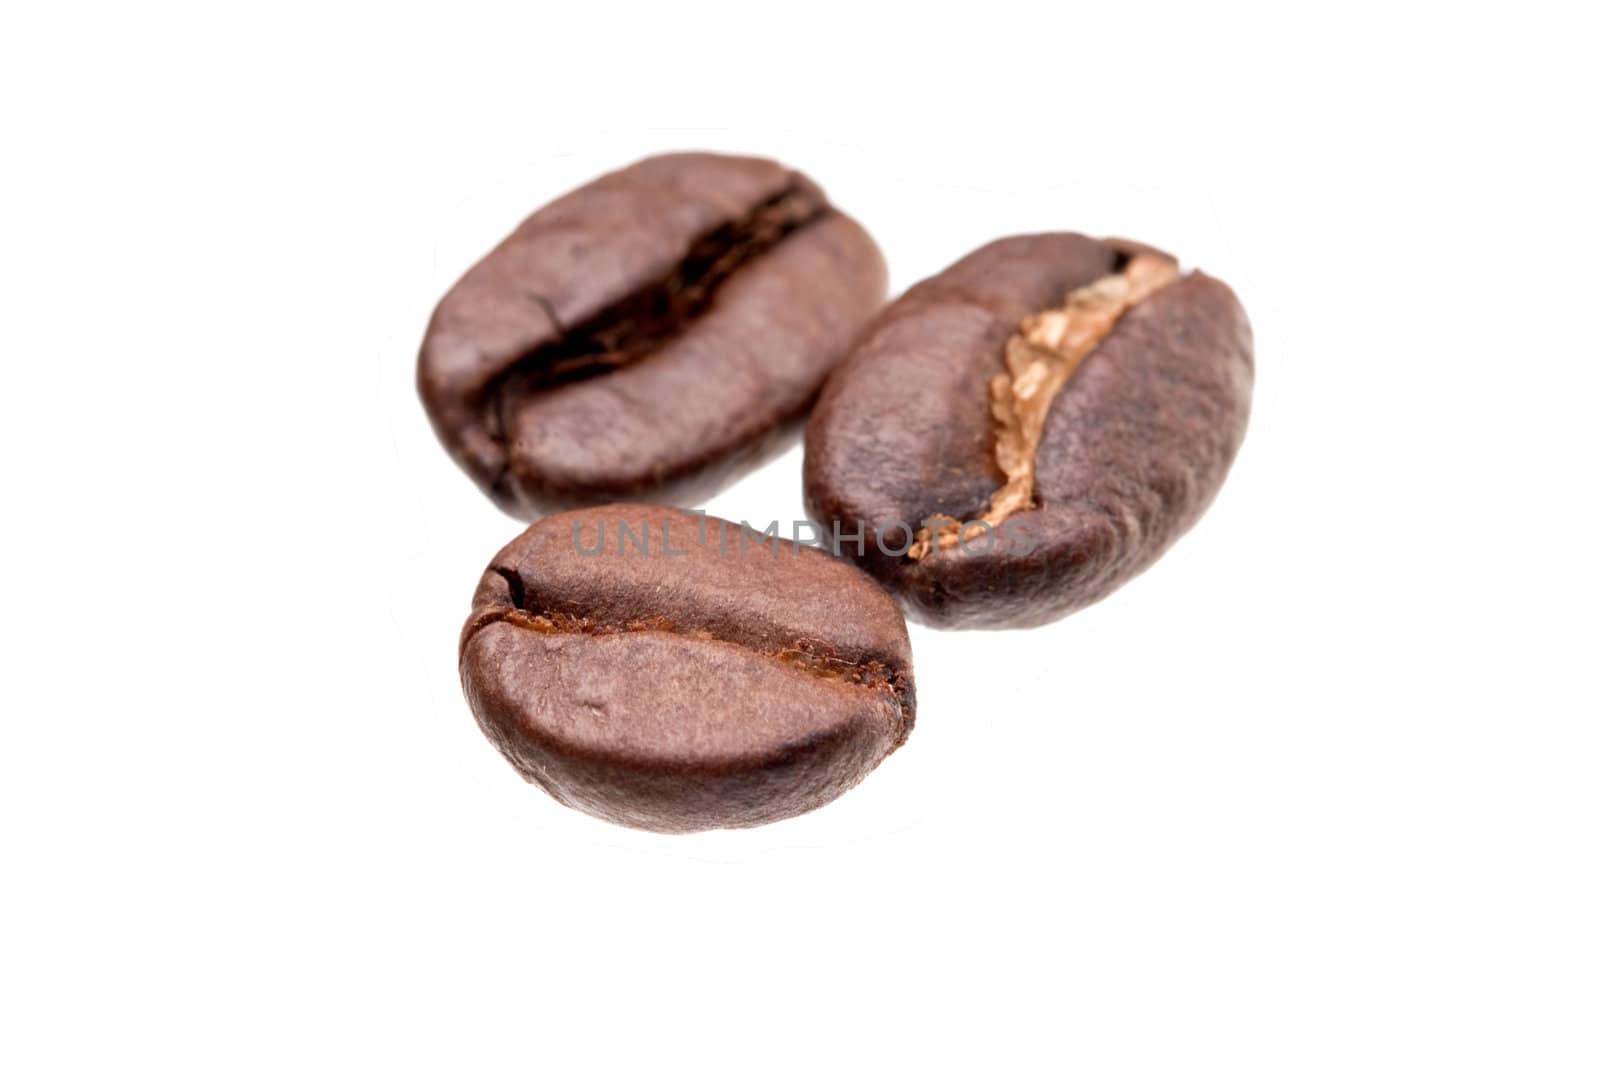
{"x": 1026, "y": 431}
{"x": 649, "y": 335}
{"x": 676, "y": 673}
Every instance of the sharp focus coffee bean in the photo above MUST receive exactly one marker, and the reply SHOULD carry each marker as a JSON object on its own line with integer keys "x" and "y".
{"x": 674, "y": 672}
{"x": 649, "y": 335}
{"x": 1026, "y": 431}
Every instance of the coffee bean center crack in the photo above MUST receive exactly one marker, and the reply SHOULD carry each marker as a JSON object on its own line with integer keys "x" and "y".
{"x": 1040, "y": 358}
{"x": 818, "y": 662}
{"x": 642, "y": 322}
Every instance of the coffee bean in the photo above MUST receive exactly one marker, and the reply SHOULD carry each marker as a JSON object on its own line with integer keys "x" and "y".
{"x": 650, "y": 335}
{"x": 1034, "y": 426}
{"x": 675, "y": 672}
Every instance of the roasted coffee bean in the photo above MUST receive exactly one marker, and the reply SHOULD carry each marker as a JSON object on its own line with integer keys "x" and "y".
{"x": 1026, "y": 431}
{"x": 650, "y": 335}
{"x": 674, "y": 672}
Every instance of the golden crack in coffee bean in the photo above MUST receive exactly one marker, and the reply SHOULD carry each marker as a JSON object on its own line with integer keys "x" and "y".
{"x": 1040, "y": 358}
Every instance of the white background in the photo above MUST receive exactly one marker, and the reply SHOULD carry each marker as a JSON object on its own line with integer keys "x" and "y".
{"x": 1320, "y": 788}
